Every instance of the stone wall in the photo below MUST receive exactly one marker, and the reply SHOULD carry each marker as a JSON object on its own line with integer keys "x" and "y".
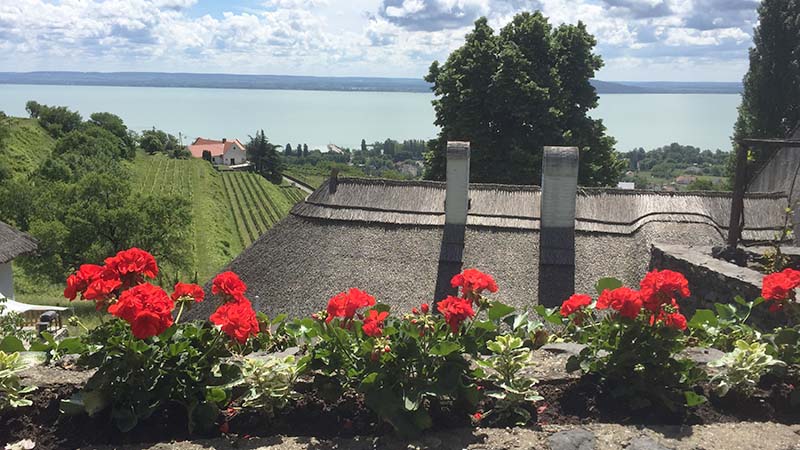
{"x": 711, "y": 280}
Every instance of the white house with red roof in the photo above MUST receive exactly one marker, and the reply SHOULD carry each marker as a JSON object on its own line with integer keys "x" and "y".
{"x": 224, "y": 152}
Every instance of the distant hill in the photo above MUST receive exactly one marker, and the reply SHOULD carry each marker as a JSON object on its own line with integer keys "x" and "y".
{"x": 374, "y": 84}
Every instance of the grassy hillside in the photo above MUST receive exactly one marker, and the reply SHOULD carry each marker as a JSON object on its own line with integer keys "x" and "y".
{"x": 256, "y": 204}
{"x": 315, "y": 175}
{"x": 27, "y": 146}
{"x": 230, "y": 209}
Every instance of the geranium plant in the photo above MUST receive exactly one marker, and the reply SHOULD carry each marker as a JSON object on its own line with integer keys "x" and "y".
{"x": 409, "y": 365}
{"x": 145, "y": 356}
{"x": 632, "y": 338}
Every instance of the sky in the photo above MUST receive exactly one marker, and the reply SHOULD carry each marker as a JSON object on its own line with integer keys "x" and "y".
{"x": 639, "y": 40}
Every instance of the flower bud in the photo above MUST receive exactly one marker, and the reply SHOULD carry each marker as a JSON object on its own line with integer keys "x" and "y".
{"x": 414, "y": 311}
{"x": 425, "y": 308}
{"x": 387, "y": 349}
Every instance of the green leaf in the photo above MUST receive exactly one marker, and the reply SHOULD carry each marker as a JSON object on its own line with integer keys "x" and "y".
{"x": 444, "y": 348}
{"x": 499, "y": 310}
{"x": 607, "y": 283}
{"x": 216, "y": 395}
{"x": 693, "y": 399}
{"x": 703, "y": 317}
{"x": 369, "y": 380}
{"x": 484, "y": 325}
{"x": 11, "y": 344}
{"x": 94, "y": 402}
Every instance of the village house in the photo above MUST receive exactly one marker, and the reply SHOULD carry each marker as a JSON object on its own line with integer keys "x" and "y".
{"x": 13, "y": 243}
{"x": 224, "y": 152}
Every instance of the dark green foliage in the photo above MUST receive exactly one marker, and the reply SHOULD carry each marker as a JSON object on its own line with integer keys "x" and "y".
{"x": 5, "y": 132}
{"x": 512, "y": 93}
{"x": 80, "y": 206}
{"x": 265, "y": 156}
{"x": 363, "y": 145}
{"x": 305, "y": 150}
{"x": 287, "y": 150}
{"x": 299, "y": 149}
{"x": 57, "y": 120}
{"x": 701, "y": 184}
{"x": 157, "y": 141}
{"x": 770, "y": 107}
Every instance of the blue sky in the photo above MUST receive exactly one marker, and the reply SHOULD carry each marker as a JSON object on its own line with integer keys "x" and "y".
{"x": 672, "y": 40}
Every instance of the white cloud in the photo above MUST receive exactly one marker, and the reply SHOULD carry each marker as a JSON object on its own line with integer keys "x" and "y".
{"x": 359, "y": 37}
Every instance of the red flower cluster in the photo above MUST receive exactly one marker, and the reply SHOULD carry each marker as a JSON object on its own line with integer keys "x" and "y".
{"x": 228, "y": 285}
{"x": 779, "y": 287}
{"x": 132, "y": 265}
{"x": 236, "y": 316}
{"x": 147, "y": 308}
{"x": 237, "y": 319}
{"x": 657, "y": 297}
{"x": 373, "y": 323}
{"x": 455, "y": 310}
{"x": 624, "y": 300}
{"x": 188, "y": 291}
{"x": 658, "y": 288}
{"x": 574, "y": 304}
{"x": 473, "y": 282}
{"x": 126, "y": 269}
{"x": 345, "y": 304}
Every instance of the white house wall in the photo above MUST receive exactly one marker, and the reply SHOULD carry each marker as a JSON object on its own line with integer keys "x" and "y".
{"x": 235, "y": 153}
{"x": 6, "y": 281}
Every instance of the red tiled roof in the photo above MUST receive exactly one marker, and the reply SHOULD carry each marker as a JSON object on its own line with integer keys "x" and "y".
{"x": 217, "y": 148}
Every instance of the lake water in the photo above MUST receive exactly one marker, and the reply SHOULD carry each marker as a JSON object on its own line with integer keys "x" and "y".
{"x": 344, "y": 118}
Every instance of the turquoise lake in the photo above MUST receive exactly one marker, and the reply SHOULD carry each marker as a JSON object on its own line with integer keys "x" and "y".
{"x": 344, "y": 118}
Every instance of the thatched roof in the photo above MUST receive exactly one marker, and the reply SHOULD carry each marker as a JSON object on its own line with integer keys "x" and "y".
{"x": 385, "y": 237}
{"x": 14, "y": 243}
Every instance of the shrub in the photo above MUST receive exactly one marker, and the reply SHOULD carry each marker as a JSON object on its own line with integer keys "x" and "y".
{"x": 742, "y": 368}
{"x": 269, "y": 383}
{"x": 631, "y": 348}
{"x": 145, "y": 358}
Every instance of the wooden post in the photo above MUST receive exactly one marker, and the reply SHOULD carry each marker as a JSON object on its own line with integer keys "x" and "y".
{"x": 737, "y": 203}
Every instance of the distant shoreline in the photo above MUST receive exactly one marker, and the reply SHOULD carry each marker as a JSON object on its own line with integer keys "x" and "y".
{"x": 306, "y": 83}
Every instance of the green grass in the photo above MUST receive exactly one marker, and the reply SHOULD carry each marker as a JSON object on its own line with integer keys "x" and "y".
{"x": 213, "y": 237}
{"x": 27, "y": 146}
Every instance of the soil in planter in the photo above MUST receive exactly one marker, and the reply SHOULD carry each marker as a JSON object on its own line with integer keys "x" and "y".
{"x": 566, "y": 402}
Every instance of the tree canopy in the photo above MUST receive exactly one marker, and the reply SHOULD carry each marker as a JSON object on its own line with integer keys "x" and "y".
{"x": 512, "y": 93}
{"x": 770, "y": 105}
{"x": 265, "y": 157}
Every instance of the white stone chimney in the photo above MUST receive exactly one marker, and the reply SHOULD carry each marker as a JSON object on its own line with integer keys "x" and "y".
{"x": 557, "y": 233}
{"x": 456, "y": 202}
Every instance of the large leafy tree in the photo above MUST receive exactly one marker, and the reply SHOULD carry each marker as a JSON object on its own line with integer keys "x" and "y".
{"x": 771, "y": 100}
{"x": 510, "y": 94}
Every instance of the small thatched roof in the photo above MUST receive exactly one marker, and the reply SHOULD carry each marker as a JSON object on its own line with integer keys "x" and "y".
{"x": 14, "y": 243}
{"x": 385, "y": 237}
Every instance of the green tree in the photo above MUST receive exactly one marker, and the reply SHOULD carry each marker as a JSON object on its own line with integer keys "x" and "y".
{"x": 701, "y": 184}
{"x": 5, "y": 132}
{"x": 770, "y": 107}
{"x": 305, "y": 150}
{"x": 299, "y": 149}
{"x": 57, "y": 120}
{"x": 512, "y": 93}
{"x": 364, "y": 145}
{"x": 264, "y": 156}
{"x": 287, "y": 150}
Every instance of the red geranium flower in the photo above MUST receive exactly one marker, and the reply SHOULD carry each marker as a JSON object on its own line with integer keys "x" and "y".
{"x": 456, "y": 310}
{"x": 675, "y": 320}
{"x": 237, "y": 319}
{"x": 147, "y": 308}
{"x": 79, "y": 281}
{"x": 186, "y": 290}
{"x": 780, "y": 285}
{"x": 345, "y": 304}
{"x": 102, "y": 287}
{"x": 624, "y": 300}
{"x": 228, "y": 284}
{"x": 425, "y": 308}
{"x": 132, "y": 265}
{"x": 575, "y": 303}
{"x": 660, "y": 287}
{"x": 473, "y": 282}
{"x": 373, "y": 323}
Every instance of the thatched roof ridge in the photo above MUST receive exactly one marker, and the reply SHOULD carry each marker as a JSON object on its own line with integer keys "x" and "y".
{"x": 600, "y": 210}
{"x": 14, "y": 243}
